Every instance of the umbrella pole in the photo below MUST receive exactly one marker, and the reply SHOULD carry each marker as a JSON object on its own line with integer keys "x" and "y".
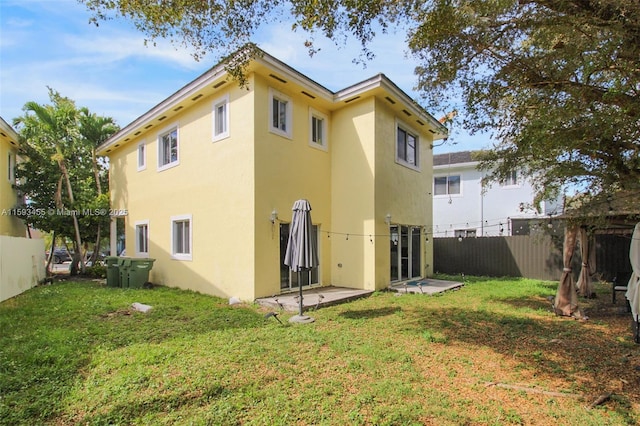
{"x": 300, "y": 290}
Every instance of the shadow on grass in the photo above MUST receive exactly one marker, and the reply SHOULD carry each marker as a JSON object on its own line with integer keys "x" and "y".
{"x": 126, "y": 413}
{"x": 370, "y": 313}
{"x": 553, "y": 347}
{"x": 49, "y": 334}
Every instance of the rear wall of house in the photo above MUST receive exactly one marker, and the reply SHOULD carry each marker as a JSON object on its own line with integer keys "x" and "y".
{"x": 288, "y": 169}
{"x": 406, "y": 207}
{"x": 213, "y": 183}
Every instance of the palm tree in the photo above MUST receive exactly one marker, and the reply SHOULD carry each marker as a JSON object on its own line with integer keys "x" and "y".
{"x": 95, "y": 130}
{"x": 58, "y": 134}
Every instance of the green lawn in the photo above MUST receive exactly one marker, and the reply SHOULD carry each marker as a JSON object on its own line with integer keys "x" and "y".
{"x": 491, "y": 353}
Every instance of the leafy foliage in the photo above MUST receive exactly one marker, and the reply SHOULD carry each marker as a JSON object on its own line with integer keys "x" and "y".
{"x": 59, "y": 173}
{"x": 556, "y": 81}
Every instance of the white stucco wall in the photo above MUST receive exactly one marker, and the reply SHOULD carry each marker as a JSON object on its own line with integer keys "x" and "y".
{"x": 22, "y": 265}
{"x": 485, "y": 212}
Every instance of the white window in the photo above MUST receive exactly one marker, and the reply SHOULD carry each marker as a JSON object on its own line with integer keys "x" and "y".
{"x": 11, "y": 167}
{"x": 142, "y": 156}
{"x": 465, "y": 233}
{"x": 407, "y": 147}
{"x": 446, "y": 185}
{"x": 511, "y": 179}
{"x": 168, "y": 154}
{"x": 181, "y": 239}
{"x": 318, "y": 133}
{"x": 280, "y": 113}
{"x": 221, "y": 118}
{"x": 142, "y": 238}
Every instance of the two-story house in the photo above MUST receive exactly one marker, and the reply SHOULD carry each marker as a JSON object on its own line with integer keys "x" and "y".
{"x": 206, "y": 179}
{"x": 462, "y": 207}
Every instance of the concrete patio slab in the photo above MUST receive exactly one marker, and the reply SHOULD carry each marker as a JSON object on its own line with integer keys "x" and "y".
{"x": 426, "y": 286}
{"x": 313, "y": 298}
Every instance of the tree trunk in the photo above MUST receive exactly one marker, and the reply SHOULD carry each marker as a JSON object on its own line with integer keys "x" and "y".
{"x": 96, "y": 173}
{"x": 53, "y": 247}
{"x": 76, "y": 227}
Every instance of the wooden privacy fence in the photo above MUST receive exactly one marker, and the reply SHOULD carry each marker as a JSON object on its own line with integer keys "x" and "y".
{"x": 530, "y": 256}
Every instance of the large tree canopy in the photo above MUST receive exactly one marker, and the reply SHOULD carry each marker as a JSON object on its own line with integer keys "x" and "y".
{"x": 555, "y": 81}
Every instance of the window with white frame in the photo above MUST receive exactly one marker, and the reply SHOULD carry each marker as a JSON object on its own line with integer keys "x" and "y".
{"x": 446, "y": 185}
{"x": 280, "y": 113}
{"x": 318, "y": 133}
{"x": 168, "y": 153}
{"x": 142, "y": 156}
{"x": 221, "y": 118}
{"x": 142, "y": 238}
{"x": 511, "y": 179}
{"x": 181, "y": 237}
{"x": 407, "y": 147}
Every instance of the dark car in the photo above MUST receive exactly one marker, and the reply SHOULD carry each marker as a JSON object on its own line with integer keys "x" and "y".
{"x": 60, "y": 255}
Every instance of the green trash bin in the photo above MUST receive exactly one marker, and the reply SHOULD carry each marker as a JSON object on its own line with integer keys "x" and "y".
{"x": 138, "y": 272}
{"x": 124, "y": 263}
{"x": 113, "y": 273}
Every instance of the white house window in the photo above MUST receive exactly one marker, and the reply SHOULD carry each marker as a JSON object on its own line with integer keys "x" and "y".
{"x": 280, "y": 113}
{"x": 142, "y": 238}
{"x": 511, "y": 179}
{"x": 465, "y": 233}
{"x": 446, "y": 185}
{"x": 181, "y": 237}
{"x": 142, "y": 156}
{"x": 406, "y": 147}
{"x": 318, "y": 133}
{"x": 168, "y": 149}
{"x": 221, "y": 118}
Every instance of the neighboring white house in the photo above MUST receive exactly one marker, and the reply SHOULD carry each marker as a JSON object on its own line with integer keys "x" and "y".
{"x": 463, "y": 208}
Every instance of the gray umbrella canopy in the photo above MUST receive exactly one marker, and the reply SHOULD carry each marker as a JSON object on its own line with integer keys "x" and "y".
{"x": 302, "y": 247}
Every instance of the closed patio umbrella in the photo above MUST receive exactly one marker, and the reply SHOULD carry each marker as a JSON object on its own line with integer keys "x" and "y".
{"x": 302, "y": 248}
{"x": 633, "y": 288}
{"x": 566, "y": 300}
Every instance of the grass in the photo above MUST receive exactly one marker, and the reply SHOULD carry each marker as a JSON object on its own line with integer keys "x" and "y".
{"x": 491, "y": 353}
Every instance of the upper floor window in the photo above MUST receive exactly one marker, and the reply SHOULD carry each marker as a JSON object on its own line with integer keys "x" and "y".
{"x": 318, "y": 133}
{"x": 511, "y": 179}
{"x": 142, "y": 156}
{"x": 446, "y": 185}
{"x": 406, "y": 147}
{"x": 221, "y": 118}
{"x": 168, "y": 149}
{"x": 280, "y": 112}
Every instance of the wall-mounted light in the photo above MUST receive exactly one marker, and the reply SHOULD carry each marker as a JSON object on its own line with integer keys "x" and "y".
{"x": 460, "y": 238}
{"x": 387, "y": 219}
{"x": 274, "y": 216}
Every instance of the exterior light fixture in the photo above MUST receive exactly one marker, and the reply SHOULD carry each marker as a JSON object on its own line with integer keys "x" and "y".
{"x": 274, "y": 216}
{"x": 387, "y": 219}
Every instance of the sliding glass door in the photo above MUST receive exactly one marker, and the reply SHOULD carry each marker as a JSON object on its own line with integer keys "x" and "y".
{"x": 405, "y": 250}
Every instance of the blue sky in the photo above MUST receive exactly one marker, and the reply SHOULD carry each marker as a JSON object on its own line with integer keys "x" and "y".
{"x": 50, "y": 43}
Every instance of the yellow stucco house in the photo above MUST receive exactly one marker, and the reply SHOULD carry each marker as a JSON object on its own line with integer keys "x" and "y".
{"x": 206, "y": 179}
{"x": 10, "y": 225}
